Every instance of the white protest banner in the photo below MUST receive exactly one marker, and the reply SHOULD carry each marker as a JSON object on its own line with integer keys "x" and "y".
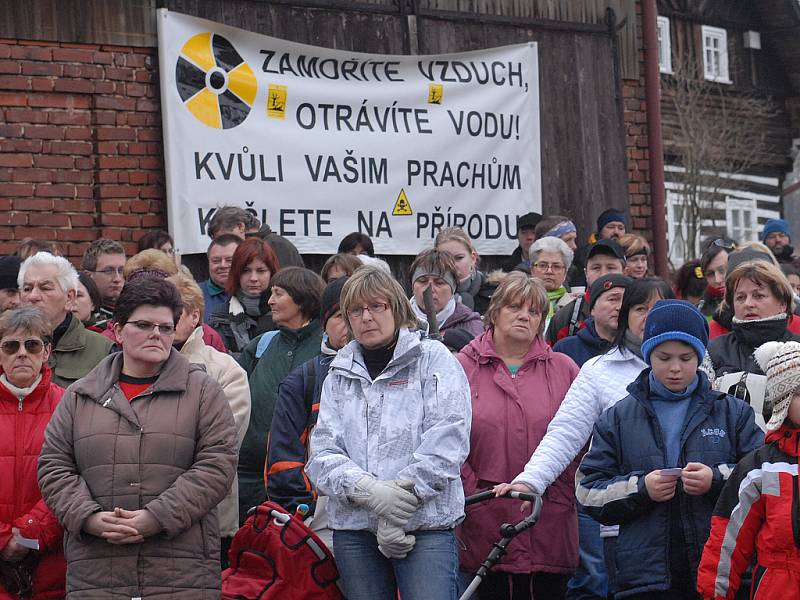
{"x": 319, "y": 143}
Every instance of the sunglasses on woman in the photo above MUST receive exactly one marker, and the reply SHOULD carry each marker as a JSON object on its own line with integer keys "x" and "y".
{"x": 32, "y": 346}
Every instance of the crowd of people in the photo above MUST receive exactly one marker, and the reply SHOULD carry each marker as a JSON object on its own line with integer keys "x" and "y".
{"x": 145, "y": 413}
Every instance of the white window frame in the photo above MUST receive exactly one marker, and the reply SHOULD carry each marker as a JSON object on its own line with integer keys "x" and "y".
{"x": 677, "y": 252}
{"x": 718, "y": 72}
{"x": 740, "y": 205}
{"x": 664, "y": 45}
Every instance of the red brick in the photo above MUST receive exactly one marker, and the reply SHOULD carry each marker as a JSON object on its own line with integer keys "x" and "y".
{"x": 44, "y": 69}
{"x": 108, "y": 147}
{"x": 84, "y": 163}
{"x": 147, "y": 162}
{"x": 118, "y": 162}
{"x": 42, "y": 84}
{"x": 115, "y": 103}
{"x": 137, "y": 178}
{"x": 5, "y": 50}
{"x": 121, "y": 220}
{"x": 150, "y": 191}
{"x": 105, "y": 177}
{"x": 135, "y": 60}
{"x": 32, "y": 53}
{"x": 84, "y": 235}
{"x": 73, "y": 55}
{"x": 145, "y": 77}
{"x": 9, "y": 66}
{"x": 41, "y": 233}
{"x": 149, "y": 135}
{"x": 117, "y": 191}
{"x": 44, "y": 132}
{"x": 81, "y": 220}
{"x": 58, "y": 101}
{"x": 22, "y": 115}
{"x": 116, "y": 133}
{"x": 44, "y": 219}
{"x": 78, "y": 133}
{"x": 80, "y": 45}
{"x": 109, "y": 206}
{"x": 111, "y": 233}
{"x": 29, "y": 204}
{"x": 102, "y": 58}
{"x": 74, "y": 86}
{"x": 84, "y": 148}
{"x": 84, "y": 71}
{"x": 146, "y": 105}
{"x": 104, "y": 87}
{"x": 72, "y": 176}
{"x": 16, "y": 189}
{"x": 10, "y": 99}
{"x": 49, "y": 190}
{"x": 11, "y": 131}
{"x": 69, "y": 117}
{"x": 120, "y": 74}
{"x": 20, "y": 145}
{"x": 75, "y": 205}
{"x": 16, "y": 160}
{"x": 105, "y": 117}
{"x": 84, "y": 191}
{"x": 32, "y": 175}
{"x": 14, "y": 82}
{"x": 144, "y": 148}
{"x": 152, "y": 221}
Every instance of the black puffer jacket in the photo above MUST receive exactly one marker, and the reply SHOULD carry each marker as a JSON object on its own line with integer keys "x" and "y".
{"x": 733, "y": 352}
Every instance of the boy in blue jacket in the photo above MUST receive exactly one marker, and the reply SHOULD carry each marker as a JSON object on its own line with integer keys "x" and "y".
{"x": 659, "y": 458}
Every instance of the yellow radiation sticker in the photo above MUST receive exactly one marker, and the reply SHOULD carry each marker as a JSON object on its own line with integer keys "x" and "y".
{"x": 401, "y": 206}
{"x": 276, "y": 101}
{"x": 435, "y": 93}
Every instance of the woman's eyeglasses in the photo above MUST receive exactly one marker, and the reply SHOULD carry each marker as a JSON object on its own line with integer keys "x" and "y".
{"x": 148, "y": 327}
{"x": 374, "y": 309}
{"x": 32, "y": 346}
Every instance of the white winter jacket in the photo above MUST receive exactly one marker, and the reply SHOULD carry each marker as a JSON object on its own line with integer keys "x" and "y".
{"x": 412, "y": 422}
{"x": 602, "y": 382}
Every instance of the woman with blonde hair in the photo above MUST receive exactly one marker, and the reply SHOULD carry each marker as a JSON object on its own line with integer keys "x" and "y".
{"x": 637, "y": 253}
{"x": 473, "y": 288}
{"x": 391, "y": 436}
{"x": 502, "y": 366}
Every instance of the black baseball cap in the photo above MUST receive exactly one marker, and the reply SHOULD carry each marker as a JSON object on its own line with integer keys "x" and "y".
{"x": 530, "y": 219}
{"x": 607, "y": 246}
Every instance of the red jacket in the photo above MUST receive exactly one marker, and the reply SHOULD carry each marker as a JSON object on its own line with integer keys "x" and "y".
{"x": 509, "y": 418}
{"x": 757, "y": 510}
{"x": 22, "y": 426}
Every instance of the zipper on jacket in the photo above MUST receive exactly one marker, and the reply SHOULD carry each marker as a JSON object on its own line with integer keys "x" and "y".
{"x": 19, "y": 405}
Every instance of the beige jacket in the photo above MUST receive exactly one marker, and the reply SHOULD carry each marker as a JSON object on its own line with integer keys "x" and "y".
{"x": 170, "y": 450}
{"x": 233, "y": 379}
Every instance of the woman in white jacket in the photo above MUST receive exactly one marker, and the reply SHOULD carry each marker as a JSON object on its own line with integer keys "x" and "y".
{"x": 391, "y": 436}
{"x": 602, "y": 382}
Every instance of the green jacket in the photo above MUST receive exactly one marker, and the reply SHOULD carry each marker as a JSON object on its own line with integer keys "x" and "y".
{"x": 77, "y": 352}
{"x": 288, "y": 350}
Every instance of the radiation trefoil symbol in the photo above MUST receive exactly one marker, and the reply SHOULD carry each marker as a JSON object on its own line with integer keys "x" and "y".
{"x": 214, "y": 82}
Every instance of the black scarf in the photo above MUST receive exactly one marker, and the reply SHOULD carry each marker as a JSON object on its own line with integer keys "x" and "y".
{"x": 754, "y": 333}
{"x": 59, "y": 331}
{"x": 376, "y": 359}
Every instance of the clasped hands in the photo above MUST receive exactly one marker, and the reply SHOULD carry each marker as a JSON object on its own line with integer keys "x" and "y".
{"x": 122, "y": 526}
{"x": 394, "y": 503}
{"x": 695, "y": 477}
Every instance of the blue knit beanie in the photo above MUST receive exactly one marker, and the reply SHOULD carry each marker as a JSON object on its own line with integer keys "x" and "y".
{"x": 675, "y": 320}
{"x": 775, "y": 226}
{"x": 609, "y": 215}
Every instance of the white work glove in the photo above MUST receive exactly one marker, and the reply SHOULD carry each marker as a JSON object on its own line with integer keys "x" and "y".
{"x": 393, "y": 542}
{"x": 390, "y": 500}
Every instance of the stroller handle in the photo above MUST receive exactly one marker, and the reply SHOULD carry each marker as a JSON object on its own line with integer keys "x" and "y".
{"x": 489, "y": 495}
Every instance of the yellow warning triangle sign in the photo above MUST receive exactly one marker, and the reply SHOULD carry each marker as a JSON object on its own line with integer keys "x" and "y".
{"x": 401, "y": 206}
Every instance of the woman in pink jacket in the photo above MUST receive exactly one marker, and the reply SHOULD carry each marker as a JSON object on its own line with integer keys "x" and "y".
{"x": 517, "y": 384}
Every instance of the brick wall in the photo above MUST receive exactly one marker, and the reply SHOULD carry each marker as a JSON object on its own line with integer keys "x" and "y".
{"x": 80, "y": 144}
{"x": 635, "y": 117}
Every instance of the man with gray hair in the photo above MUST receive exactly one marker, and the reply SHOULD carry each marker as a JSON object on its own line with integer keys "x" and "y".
{"x": 50, "y": 284}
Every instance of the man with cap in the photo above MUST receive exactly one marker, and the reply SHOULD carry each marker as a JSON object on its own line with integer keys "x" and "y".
{"x": 526, "y": 235}
{"x": 9, "y": 287}
{"x": 605, "y": 301}
{"x": 659, "y": 457}
{"x": 296, "y": 410}
{"x": 604, "y": 257}
{"x": 611, "y": 225}
{"x": 778, "y": 238}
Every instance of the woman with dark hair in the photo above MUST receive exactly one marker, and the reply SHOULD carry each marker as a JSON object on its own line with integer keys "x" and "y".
{"x": 602, "y": 382}
{"x": 714, "y": 265}
{"x": 294, "y": 301}
{"x": 689, "y": 283}
{"x": 137, "y": 456}
{"x": 339, "y": 265}
{"x": 356, "y": 243}
{"x": 158, "y": 239}
{"x": 27, "y": 400}
{"x": 246, "y": 314}
{"x": 87, "y": 302}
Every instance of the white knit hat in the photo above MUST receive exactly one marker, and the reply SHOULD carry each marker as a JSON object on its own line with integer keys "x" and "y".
{"x": 781, "y": 362}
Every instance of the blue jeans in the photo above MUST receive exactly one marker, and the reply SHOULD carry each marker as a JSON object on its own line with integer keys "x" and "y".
{"x": 590, "y": 581}
{"x": 429, "y": 572}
